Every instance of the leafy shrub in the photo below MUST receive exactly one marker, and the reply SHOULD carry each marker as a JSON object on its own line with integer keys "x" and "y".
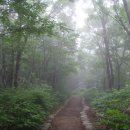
{"x": 113, "y": 100}
{"x": 21, "y": 116}
{"x": 92, "y": 93}
{"x": 110, "y": 107}
{"x": 24, "y": 109}
{"x": 115, "y": 120}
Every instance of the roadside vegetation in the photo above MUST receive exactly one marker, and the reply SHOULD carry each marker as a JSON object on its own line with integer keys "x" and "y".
{"x": 111, "y": 107}
{"x": 25, "y": 109}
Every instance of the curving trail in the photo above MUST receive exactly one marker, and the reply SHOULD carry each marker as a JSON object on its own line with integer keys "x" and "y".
{"x": 69, "y": 117}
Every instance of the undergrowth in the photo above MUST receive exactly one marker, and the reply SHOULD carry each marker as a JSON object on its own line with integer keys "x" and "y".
{"x": 111, "y": 108}
{"x": 27, "y": 109}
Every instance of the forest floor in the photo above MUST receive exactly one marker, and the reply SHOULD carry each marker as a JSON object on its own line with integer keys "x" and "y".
{"x": 69, "y": 117}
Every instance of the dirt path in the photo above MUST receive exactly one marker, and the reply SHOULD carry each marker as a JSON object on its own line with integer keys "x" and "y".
{"x": 69, "y": 117}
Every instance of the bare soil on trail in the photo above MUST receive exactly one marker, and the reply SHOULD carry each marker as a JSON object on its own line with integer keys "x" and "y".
{"x": 69, "y": 117}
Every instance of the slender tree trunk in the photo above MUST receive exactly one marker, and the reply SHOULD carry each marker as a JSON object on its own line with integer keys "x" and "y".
{"x": 10, "y": 77}
{"x": 3, "y": 62}
{"x": 127, "y": 9}
{"x": 108, "y": 74}
{"x": 12, "y": 69}
{"x": 18, "y": 59}
{"x": 3, "y": 69}
{"x": 19, "y": 53}
{"x": 121, "y": 22}
{"x": 111, "y": 70}
{"x": 32, "y": 68}
{"x": 119, "y": 75}
{"x": 17, "y": 68}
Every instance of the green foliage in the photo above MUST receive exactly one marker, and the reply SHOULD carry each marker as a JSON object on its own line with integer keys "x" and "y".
{"x": 115, "y": 120}
{"x": 111, "y": 107}
{"x": 34, "y": 47}
{"x": 26, "y": 108}
{"x": 92, "y": 93}
{"x": 113, "y": 100}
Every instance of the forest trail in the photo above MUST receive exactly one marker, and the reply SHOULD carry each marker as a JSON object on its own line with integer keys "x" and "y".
{"x": 69, "y": 117}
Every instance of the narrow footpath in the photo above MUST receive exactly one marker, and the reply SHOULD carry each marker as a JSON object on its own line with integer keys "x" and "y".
{"x": 69, "y": 117}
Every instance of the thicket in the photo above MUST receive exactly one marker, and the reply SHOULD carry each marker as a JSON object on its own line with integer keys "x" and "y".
{"x": 27, "y": 108}
{"x": 111, "y": 108}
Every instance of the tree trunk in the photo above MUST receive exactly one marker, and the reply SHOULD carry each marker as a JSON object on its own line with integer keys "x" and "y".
{"x": 3, "y": 69}
{"x": 10, "y": 78}
{"x": 121, "y": 22}
{"x": 12, "y": 69}
{"x": 17, "y": 67}
{"x": 109, "y": 68}
{"x": 118, "y": 77}
{"x": 127, "y": 10}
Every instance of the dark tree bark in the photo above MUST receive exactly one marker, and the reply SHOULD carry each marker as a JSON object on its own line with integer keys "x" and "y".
{"x": 118, "y": 76}
{"x": 20, "y": 50}
{"x": 3, "y": 68}
{"x": 10, "y": 79}
{"x": 17, "y": 68}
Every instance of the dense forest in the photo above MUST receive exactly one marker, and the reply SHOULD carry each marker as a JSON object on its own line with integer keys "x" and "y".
{"x": 52, "y": 49}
